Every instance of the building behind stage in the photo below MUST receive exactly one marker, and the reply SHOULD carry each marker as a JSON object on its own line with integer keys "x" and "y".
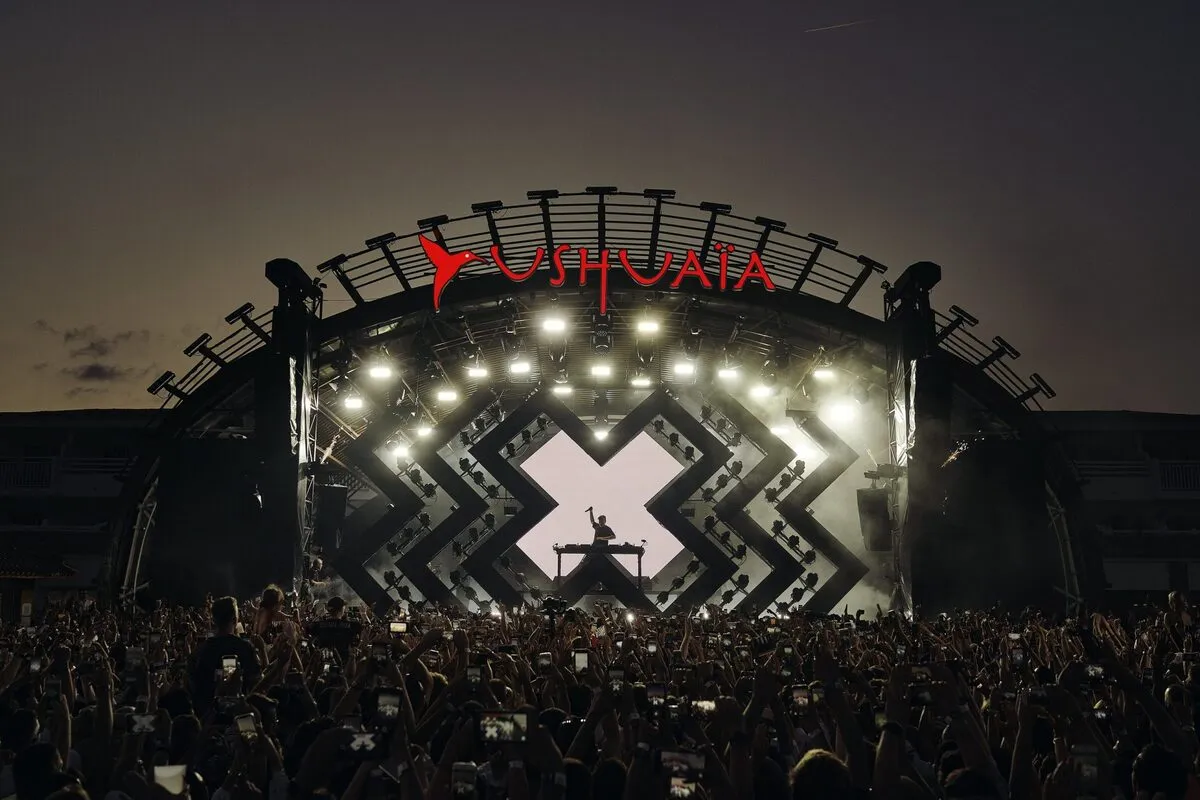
{"x": 1141, "y": 474}
{"x": 60, "y": 482}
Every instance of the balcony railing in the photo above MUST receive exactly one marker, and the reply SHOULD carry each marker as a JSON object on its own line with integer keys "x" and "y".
{"x": 1179, "y": 476}
{"x": 46, "y": 474}
{"x": 1112, "y": 469}
{"x": 26, "y": 474}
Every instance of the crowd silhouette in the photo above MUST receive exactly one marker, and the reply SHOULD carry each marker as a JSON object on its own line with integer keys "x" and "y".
{"x": 279, "y": 698}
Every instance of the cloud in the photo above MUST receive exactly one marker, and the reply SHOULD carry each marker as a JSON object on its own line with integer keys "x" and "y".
{"x": 96, "y": 372}
{"x": 75, "y": 334}
{"x": 41, "y": 326}
{"x": 85, "y": 391}
{"x": 101, "y": 346}
{"x": 40, "y": 366}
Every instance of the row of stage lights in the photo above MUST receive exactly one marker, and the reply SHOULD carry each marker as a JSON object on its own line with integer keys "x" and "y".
{"x": 684, "y": 367}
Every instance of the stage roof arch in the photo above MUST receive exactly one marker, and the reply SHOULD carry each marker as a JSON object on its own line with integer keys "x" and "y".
{"x": 820, "y": 307}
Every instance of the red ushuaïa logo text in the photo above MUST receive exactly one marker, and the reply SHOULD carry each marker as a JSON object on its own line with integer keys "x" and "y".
{"x": 446, "y": 265}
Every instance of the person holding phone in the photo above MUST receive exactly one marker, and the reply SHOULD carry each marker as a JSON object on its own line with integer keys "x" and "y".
{"x": 210, "y": 656}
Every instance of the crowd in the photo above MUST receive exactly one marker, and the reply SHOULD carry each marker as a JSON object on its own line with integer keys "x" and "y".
{"x": 276, "y": 699}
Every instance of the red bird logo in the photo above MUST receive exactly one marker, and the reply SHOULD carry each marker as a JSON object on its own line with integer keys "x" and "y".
{"x": 445, "y": 265}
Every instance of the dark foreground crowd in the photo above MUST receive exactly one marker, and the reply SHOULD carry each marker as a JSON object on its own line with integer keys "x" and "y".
{"x": 270, "y": 700}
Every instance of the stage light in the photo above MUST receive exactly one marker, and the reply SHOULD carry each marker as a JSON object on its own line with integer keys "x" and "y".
{"x": 841, "y": 413}
{"x": 398, "y": 449}
{"x": 601, "y": 434}
{"x": 353, "y": 402}
{"x": 477, "y": 372}
{"x": 519, "y": 367}
{"x": 601, "y": 371}
{"x": 446, "y": 395}
{"x": 630, "y": 617}
{"x": 760, "y": 391}
{"x": 640, "y": 382}
{"x": 562, "y": 390}
{"x": 823, "y": 374}
{"x": 728, "y": 373}
{"x": 554, "y": 324}
{"x": 779, "y": 430}
{"x": 424, "y": 431}
{"x": 647, "y": 326}
{"x": 685, "y": 368}
{"x": 380, "y": 372}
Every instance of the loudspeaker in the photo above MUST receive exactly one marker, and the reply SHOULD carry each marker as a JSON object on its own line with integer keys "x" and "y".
{"x": 328, "y": 514}
{"x": 208, "y": 533}
{"x": 875, "y": 519}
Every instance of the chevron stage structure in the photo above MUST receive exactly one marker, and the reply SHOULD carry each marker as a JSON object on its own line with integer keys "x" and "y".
{"x": 387, "y": 442}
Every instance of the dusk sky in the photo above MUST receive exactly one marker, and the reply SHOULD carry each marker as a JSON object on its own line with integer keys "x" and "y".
{"x": 153, "y": 155}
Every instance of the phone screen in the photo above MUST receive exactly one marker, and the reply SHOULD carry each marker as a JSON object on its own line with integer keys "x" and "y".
{"x": 170, "y": 778}
{"x": 503, "y": 727}
{"x": 389, "y": 704}
{"x": 581, "y": 660}
{"x": 398, "y": 627}
{"x": 246, "y": 724}
{"x": 229, "y": 665}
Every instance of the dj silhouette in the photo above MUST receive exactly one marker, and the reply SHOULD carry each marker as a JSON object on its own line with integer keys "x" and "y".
{"x": 603, "y": 533}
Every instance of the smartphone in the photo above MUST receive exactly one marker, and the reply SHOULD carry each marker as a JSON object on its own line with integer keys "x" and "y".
{"x": 388, "y": 704}
{"x": 726, "y": 642}
{"x": 703, "y": 708}
{"x": 474, "y": 676}
{"x": 656, "y": 693}
{"x": 544, "y": 661}
{"x": 801, "y": 697}
{"x": 787, "y": 649}
{"x": 246, "y": 725}
{"x": 681, "y": 788}
{"x": 398, "y": 628}
{"x": 380, "y": 654}
{"x": 171, "y": 778}
{"x": 229, "y": 665}
{"x": 1086, "y": 760}
{"x": 141, "y": 723}
{"x": 1095, "y": 671}
{"x": 683, "y": 762}
{"x": 617, "y": 678}
{"x": 582, "y": 660}
{"x": 652, "y": 647}
{"x": 504, "y": 727}
{"x": 463, "y": 777}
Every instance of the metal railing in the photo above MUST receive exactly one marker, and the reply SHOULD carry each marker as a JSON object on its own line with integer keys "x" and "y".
{"x": 808, "y": 264}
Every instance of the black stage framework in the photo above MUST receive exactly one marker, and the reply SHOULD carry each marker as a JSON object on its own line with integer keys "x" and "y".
{"x": 818, "y": 282}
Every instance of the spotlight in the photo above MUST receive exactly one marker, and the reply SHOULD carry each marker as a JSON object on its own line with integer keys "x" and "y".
{"x": 640, "y": 382}
{"x": 779, "y": 430}
{"x": 760, "y": 391}
{"x": 728, "y": 373}
{"x": 842, "y": 413}
{"x": 562, "y": 390}
{"x": 380, "y": 372}
{"x": 554, "y": 324}
{"x": 424, "y": 431}
{"x": 446, "y": 395}
{"x": 685, "y": 368}
{"x": 823, "y": 374}
{"x": 601, "y": 371}
{"x": 647, "y": 326}
{"x": 477, "y": 372}
{"x": 630, "y": 617}
{"x": 519, "y": 367}
{"x": 399, "y": 450}
{"x": 601, "y": 434}
{"x": 353, "y": 402}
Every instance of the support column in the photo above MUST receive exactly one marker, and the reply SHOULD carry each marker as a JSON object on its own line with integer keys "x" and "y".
{"x": 285, "y": 408}
{"x": 921, "y": 398}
